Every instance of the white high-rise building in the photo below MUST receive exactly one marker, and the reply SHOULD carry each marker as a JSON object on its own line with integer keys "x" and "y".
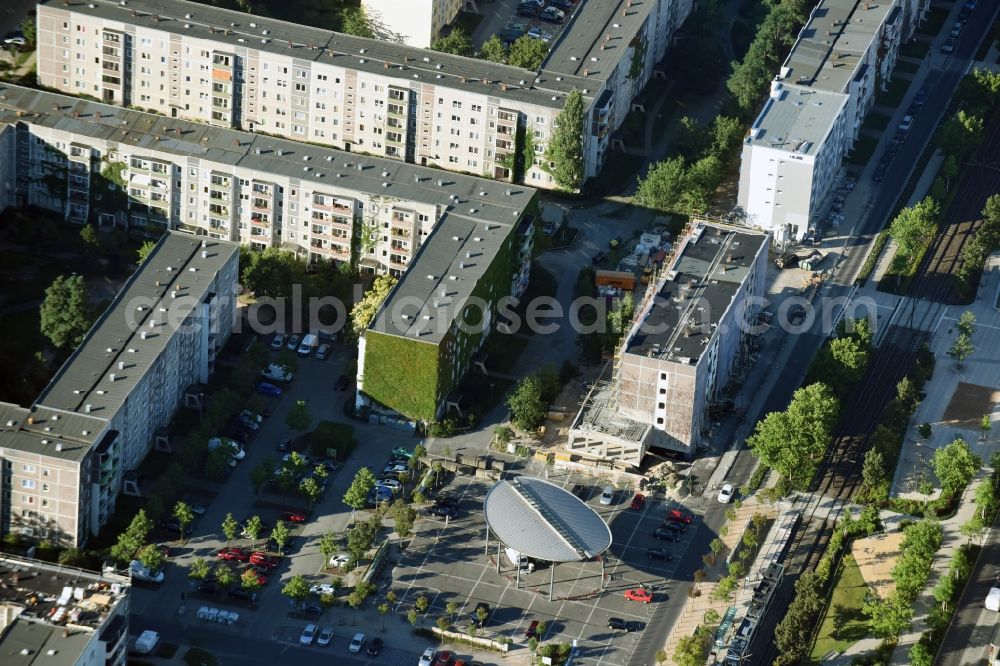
{"x": 417, "y": 22}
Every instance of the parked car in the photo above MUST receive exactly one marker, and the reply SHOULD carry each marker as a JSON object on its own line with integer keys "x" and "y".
{"x": 579, "y": 490}
{"x": 658, "y": 554}
{"x": 308, "y": 635}
{"x": 275, "y": 372}
{"x": 285, "y": 445}
{"x": 233, "y": 554}
{"x": 241, "y": 594}
{"x": 293, "y": 342}
{"x": 278, "y": 341}
{"x": 342, "y": 382}
{"x": 905, "y": 124}
{"x": 664, "y": 534}
{"x": 265, "y": 388}
{"x": 357, "y": 643}
{"x": 920, "y": 97}
{"x": 727, "y": 492}
{"x": 142, "y": 573}
{"x": 956, "y": 29}
{"x": 173, "y": 525}
{"x": 552, "y": 15}
{"x": 623, "y": 625}
{"x": 293, "y": 516}
{"x": 638, "y": 502}
{"x": 264, "y": 560}
{"x": 639, "y": 594}
{"x": 597, "y": 258}
{"x": 445, "y": 500}
{"x": 608, "y": 496}
{"x": 532, "y": 631}
{"x": 565, "y": 5}
{"x": 527, "y": 10}
{"x": 426, "y": 658}
{"x": 323, "y": 352}
{"x": 678, "y": 516}
{"x": 325, "y": 636}
{"x": 948, "y": 46}
{"x": 209, "y": 588}
{"x": 787, "y": 260}
{"x": 444, "y": 658}
{"x": 374, "y": 647}
{"x": 880, "y": 170}
{"x": 442, "y": 511}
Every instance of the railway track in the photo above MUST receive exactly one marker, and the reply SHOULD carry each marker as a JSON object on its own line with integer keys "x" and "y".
{"x": 839, "y": 475}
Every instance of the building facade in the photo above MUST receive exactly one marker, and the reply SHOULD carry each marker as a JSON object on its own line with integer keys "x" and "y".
{"x": 440, "y": 313}
{"x": 225, "y": 68}
{"x": 692, "y": 332}
{"x": 819, "y": 99}
{"x": 117, "y": 166}
{"x": 58, "y": 614}
{"x": 65, "y": 458}
{"x": 416, "y": 22}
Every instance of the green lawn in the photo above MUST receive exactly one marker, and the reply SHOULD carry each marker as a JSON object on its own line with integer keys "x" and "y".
{"x": 848, "y": 593}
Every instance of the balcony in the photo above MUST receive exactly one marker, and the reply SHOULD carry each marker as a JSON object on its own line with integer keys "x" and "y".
{"x": 261, "y": 205}
{"x": 399, "y": 232}
{"x": 216, "y": 195}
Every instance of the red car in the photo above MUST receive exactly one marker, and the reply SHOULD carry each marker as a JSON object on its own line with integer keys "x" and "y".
{"x": 639, "y": 594}
{"x": 678, "y": 516}
{"x": 234, "y": 554}
{"x": 293, "y": 516}
{"x": 444, "y": 658}
{"x": 263, "y": 560}
{"x": 638, "y": 502}
{"x": 261, "y": 578}
{"x": 532, "y": 631}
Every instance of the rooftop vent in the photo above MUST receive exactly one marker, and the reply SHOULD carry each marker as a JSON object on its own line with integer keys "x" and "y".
{"x": 111, "y": 377}
{"x": 58, "y": 449}
{"x": 88, "y": 408}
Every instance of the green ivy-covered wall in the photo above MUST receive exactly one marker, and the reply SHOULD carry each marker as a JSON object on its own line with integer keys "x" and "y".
{"x": 402, "y": 374}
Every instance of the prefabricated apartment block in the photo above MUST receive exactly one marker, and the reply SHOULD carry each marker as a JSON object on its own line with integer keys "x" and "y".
{"x": 65, "y": 457}
{"x": 793, "y": 153}
{"x": 229, "y": 69}
{"x": 691, "y": 333}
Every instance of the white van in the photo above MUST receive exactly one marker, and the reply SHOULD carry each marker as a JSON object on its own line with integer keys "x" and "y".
{"x": 140, "y": 572}
{"x": 608, "y": 496}
{"x": 277, "y": 373}
{"x": 308, "y": 345}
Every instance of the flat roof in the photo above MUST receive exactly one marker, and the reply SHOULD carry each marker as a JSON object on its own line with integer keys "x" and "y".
{"x": 434, "y": 289}
{"x": 52, "y": 599}
{"x": 578, "y": 46}
{"x": 828, "y": 51}
{"x": 798, "y": 120}
{"x": 696, "y": 292}
{"x": 241, "y": 31}
{"x": 326, "y": 168}
{"x": 539, "y": 519}
{"x": 599, "y": 414}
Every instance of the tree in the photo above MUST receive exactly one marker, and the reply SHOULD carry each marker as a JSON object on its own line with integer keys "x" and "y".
{"x": 288, "y": 360}
{"x": 421, "y": 604}
{"x": 29, "y": 30}
{"x": 527, "y": 409}
{"x": 481, "y": 615}
{"x": 271, "y": 272}
{"x": 967, "y": 323}
{"x": 65, "y": 318}
{"x": 888, "y": 618}
{"x": 527, "y": 53}
{"x": 364, "y": 310}
{"x": 874, "y": 474}
{"x": 793, "y": 634}
{"x": 224, "y": 576}
{"x": 693, "y": 650}
{"x": 296, "y": 589}
{"x": 356, "y": 496}
{"x": 533, "y": 644}
{"x": 961, "y": 133}
{"x": 250, "y": 580}
{"x": 955, "y": 465}
{"x": 412, "y": 615}
{"x": 403, "y": 516}
{"x": 262, "y": 473}
{"x": 793, "y": 441}
{"x": 664, "y": 184}
{"x": 359, "y": 540}
{"x": 565, "y": 150}
{"x": 494, "y": 50}
{"x": 456, "y": 42}
{"x": 230, "y": 528}
{"x": 298, "y": 417}
{"x": 152, "y": 557}
{"x": 839, "y": 619}
{"x": 451, "y": 608}
{"x": 914, "y": 227}
{"x": 985, "y": 424}
{"x": 280, "y": 535}
{"x": 200, "y": 569}
{"x": 356, "y": 21}
{"x": 184, "y": 515}
{"x": 382, "y": 609}
{"x": 920, "y": 655}
{"x": 89, "y": 237}
{"x": 144, "y": 251}
{"x": 660, "y": 656}
{"x": 328, "y": 545}
{"x": 254, "y": 528}
{"x": 312, "y": 489}
{"x": 961, "y": 349}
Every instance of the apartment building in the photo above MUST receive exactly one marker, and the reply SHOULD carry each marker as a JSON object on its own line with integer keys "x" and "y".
{"x": 118, "y": 166}
{"x": 64, "y": 458}
{"x": 818, "y": 101}
{"x": 440, "y": 313}
{"x": 416, "y": 23}
{"x": 692, "y": 332}
{"x": 228, "y": 69}
{"x": 54, "y": 614}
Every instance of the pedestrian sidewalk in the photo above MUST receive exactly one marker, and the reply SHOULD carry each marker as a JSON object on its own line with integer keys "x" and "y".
{"x": 951, "y": 540}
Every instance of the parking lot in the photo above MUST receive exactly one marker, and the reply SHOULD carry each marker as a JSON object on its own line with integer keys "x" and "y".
{"x": 449, "y": 563}
{"x": 507, "y": 22}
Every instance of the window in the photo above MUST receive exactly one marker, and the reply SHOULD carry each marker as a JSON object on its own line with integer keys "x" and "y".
{"x": 27, "y": 499}
{"x": 27, "y": 483}
{"x": 45, "y": 487}
{"x": 45, "y": 503}
{"x": 27, "y": 468}
{"x": 659, "y": 421}
{"x": 661, "y": 405}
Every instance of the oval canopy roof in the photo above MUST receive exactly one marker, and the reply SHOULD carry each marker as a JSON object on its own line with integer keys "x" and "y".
{"x": 541, "y": 520}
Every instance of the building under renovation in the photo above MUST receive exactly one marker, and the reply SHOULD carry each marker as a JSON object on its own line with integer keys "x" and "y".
{"x": 692, "y": 332}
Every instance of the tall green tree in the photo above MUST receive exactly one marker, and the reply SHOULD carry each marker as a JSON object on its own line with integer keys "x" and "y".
{"x": 527, "y": 409}
{"x": 29, "y": 30}
{"x": 184, "y": 515}
{"x": 152, "y": 557}
{"x": 564, "y": 153}
{"x": 355, "y": 20}
{"x": 280, "y": 534}
{"x": 793, "y": 634}
{"x": 403, "y": 516}
{"x": 254, "y": 528}
{"x": 664, "y": 185}
{"x": 311, "y": 489}
{"x": 960, "y": 134}
{"x": 955, "y": 465}
{"x": 296, "y": 589}
{"x": 364, "y": 310}
{"x": 356, "y": 496}
{"x": 200, "y": 569}
{"x": 250, "y": 581}
{"x": 914, "y": 227}
{"x": 967, "y": 322}
{"x": 299, "y": 417}
{"x": 527, "y": 53}
{"x": 494, "y": 50}
{"x": 961, "y": 349}
{"x": 793, "y": 441}
{"x": 230, "y": 528}
{"x": 65, "y": 317}
{"x": 456, "y": 42}
{"x": 888, "y": 618}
